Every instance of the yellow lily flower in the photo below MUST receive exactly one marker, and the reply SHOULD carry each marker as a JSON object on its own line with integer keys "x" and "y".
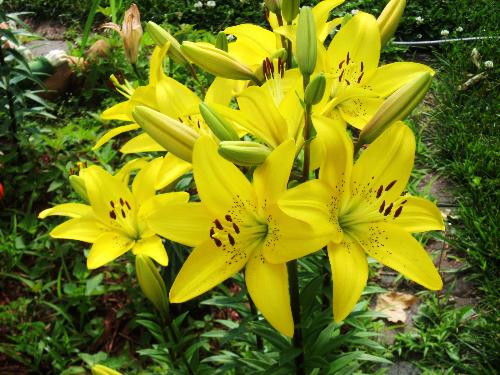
{"x": 114, "y": 220}
{"x": 235, "y": 222}
{"x": 357, "y": 85}
{"x": 371, "y": 214}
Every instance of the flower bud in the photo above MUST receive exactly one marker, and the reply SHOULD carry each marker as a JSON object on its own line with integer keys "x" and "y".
{"x": 289, "y": 9}
{"x": 173, "y": 135}
{"x": 306, "y": 42}
{"x": 315, "y": 90}
{"x": 220, "y": 127}
{"x": 162, "y": 36}
{"x": 78, "y": 185}
{"x": 273, "y": 5}
{"x": 396, "y": 107}
{"x": 103, "y": 370}
{"x": 221, "y": 41}
{"x": 151, "y": 283}
{"x": 244, "y": 153}
{"x": 216, "y": 61}
{"x": 389, "y": 19}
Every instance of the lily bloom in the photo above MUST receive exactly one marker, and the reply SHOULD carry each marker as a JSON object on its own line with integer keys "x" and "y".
{"x": 235, "y": 222}
{"x": 371, "y": 213}
{"x": 357, "y": 85}
{"x": 113, "y": 222}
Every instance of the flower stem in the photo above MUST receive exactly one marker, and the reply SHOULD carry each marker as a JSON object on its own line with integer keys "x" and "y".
{"x": 307, "y": 135}
{"x": 136, "y": 71}
{"x": 297, "y": 340}
{"x": 172, "y": 330}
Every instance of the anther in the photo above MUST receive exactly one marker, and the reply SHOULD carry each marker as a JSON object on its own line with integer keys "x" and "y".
{"x": 388, "y": 210}
{"x": 388, "y": 187}
{"x": 360, "y": 77}
{"x": 128, "y": 205}
{"x": 212, "y": 232}
{"x": 398, "y": 211}
{"x": 236, "y": 228}
{"x": 403, "y": 202}
{"x": 218, "y": 224}
{"x": 112, "y": 204}
{"x": 112, "y": 215}
{"x": 340, "y": 76}
{"x": 121, "y": 202}
{"x": 379, "y": 191}
{"x": 348, "y": 83}
{"x": 123, "y": 214}
{"x": 231, "y": 239}
{"x": 362, "y": 66}
{"x": 229, "y": 218}
{"x": 218, "y": 242}
{"x": 381, "y": 207}
{"x": 348, "y": 59}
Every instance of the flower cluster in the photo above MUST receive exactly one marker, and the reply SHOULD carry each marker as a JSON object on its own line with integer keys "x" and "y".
{"x": 286, "y": 101}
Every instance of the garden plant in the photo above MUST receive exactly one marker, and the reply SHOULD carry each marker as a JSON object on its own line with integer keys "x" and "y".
{"x": 242, "y": 195}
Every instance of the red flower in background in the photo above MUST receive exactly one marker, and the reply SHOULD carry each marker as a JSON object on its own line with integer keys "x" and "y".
{"x": 2, "y": 193}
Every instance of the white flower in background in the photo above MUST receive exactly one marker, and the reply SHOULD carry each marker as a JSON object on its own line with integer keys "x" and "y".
{"x": 198, "y": 4}
{"x": 210, "y": 4}
{"x": 460, "y": 29}
{"x": 354, "y": 11}
{"x": 419, "y": 20}
{"x": 445, "y": 32}
{"x": 488, "y": 64}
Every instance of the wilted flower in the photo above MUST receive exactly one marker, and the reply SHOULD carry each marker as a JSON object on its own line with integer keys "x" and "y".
{"x": 131, "y": 32}
{"x": 445, "y": 32}
{"x": 488, "y": 64}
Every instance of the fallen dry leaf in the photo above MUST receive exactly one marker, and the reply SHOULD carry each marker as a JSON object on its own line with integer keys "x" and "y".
{"x": 394, "y": 304}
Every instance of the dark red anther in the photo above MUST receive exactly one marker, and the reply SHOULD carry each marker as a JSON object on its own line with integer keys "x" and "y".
{"x": 403, "y": 202}
{"x": 388, "y": 187}
{"x": 340, "y": 76}
{"x": 398, "y": 211}
{"x": 236, "y": 228}
{"x": 381, "y": 207}
{"x": 362, "y": 66}
{"x": 360, "y": 77}
{"x": 229, "y": 218}
{"x": 218, "y": 224}
{"x": 379, "y": 191}
{"x": 388, "y": 210}
{"x": 347, "y": 81}
{"x": 121, "y": 202}
{"x": 128, "y": 205}
{"x": 120, "y": 77}
{"x": 348, "y": 58}
{"x": 218, "y": 242}
{"x": 231, "y": 239}
{"x": 123, "y": 214}
{"x": 212, "y": 232}
{"x": 112, "y": 215}
{"x": 112, "y": 204}
{"x": 341, "y": 63}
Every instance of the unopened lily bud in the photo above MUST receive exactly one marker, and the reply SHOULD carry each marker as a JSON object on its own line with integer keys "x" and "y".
{"x": 306, "y": 42}
{"x": 244, "y": 153}
{"x": 396, "y": 107}
{"x": 78, "y": 185}
{"x": 221, "y": 41}
{"x": 162, "y": 36}
{"x": 273, "y": 5}
{"x": 289, "y": 9}
{"x": 151, "y": 283}
{"x": 220, "y": 127}
{"x": 132, "y": 32}
{"x": 173, "y": 135}
{"x": 103, "y": 370}
{"x": 216, "y": 61}
{"x": 389, "y": 19}
{"x": 315, "y": 90}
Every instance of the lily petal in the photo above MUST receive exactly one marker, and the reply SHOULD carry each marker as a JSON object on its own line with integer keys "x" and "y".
{"x": 271, "y": 178}
{"x": 171, "y": 169}
{"x": 206, "y": 267}
{"x": 86, "y": 229}
{"x": 220, "y": 184}
{"x": 113, "y": 133}
{"x": 107, "y": 248}
{"x": 388, "y": 78}
{"x": 398, "y": 250}
{"x": 153, "y": 248}
{"x": 67, "y": 209}
{"x": 350, "y": 273}
{"x": 141, "y": 143}
{"x": 268, "y": 287}
{"x": 186, "y": 223}
{"x": 359, "y": 110}
{"x": 385, "y": 165}
{"x": 417, "y": 215}
{"x": 143, "y": 186}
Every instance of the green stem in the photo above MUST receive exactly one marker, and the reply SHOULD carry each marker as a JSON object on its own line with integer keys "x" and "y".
{"x": 136, "y": 71}
{"x": 175, "y": 335}
{"x": 307, "y": 134}
{"x": 297, "y": 340}
{"x": 253, "y": 309}
{"x": 10, "y": 99}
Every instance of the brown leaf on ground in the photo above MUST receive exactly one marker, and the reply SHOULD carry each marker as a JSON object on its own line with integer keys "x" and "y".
{"x": 394, "y": 304}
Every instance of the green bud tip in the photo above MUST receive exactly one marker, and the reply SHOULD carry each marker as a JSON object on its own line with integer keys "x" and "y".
{"x": 315, "y": 90}
{"x": 244, "y": 153}
{"x": 306, "y": 42}
{"x": 222, "y": 129}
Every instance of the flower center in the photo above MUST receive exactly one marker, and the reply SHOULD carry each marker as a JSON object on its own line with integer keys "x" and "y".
{"x": 123, "y": 215}
{"x": 196, "y": 122}
{"x": 348, "y": 72}
{"x": 274, "y": 80}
